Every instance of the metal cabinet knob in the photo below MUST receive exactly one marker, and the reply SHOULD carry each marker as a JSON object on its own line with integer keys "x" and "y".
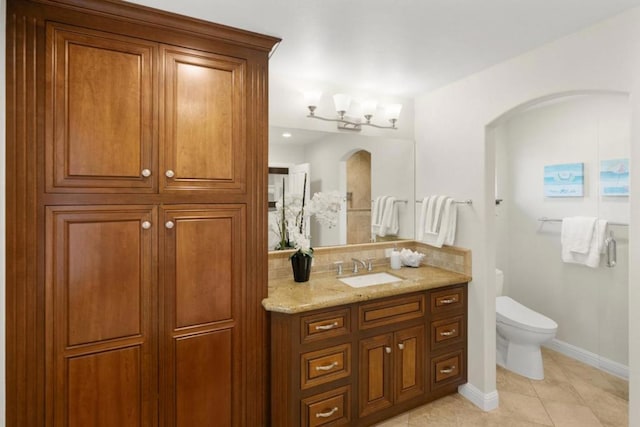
{"x": 401, "y": 346}
{"x": 146, "y": 225}
{"x": 388, "y": 350}
{"x": 169, "y": 224}
{"x": 146, "y": 173}
{"x": 169, "y": 174}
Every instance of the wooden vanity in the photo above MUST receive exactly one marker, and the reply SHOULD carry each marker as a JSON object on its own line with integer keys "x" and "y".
{"x": 394, "y": 347}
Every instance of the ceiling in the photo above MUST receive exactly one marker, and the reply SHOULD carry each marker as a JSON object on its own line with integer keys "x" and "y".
{"x": 398, "y": 47}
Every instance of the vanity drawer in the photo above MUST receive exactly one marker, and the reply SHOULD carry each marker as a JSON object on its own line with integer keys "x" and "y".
{"x": 447, "y": 369}
{"x": 447, "y": 331}
{"x": 325, "y": 325}
{"x": 447, "y": 299}
{"x": 326, "y": 365}
{"x": 390, "y": 311}
{"x": 330, "y": 408}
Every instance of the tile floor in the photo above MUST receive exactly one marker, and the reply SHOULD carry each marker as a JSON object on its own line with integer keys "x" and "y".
{"x": 572, "y": 394}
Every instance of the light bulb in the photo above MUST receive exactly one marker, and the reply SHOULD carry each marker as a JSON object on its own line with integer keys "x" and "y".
{"x": 369, "y": 108}
{"x": 312, "y": 98}
{"x": 342, "y": 103}
{"x": 393, "y": 111}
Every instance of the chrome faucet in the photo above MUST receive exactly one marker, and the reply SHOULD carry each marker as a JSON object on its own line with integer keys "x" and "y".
{"x": 357, "y": 261}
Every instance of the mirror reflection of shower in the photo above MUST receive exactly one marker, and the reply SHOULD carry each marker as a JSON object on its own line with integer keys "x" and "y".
{"x": 359, "y": 197}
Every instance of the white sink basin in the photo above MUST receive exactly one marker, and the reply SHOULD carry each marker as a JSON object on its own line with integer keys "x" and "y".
{"x": 370, "y": 280}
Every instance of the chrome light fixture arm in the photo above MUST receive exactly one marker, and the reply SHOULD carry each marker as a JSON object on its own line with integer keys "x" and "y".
{"x": 349, "y": 124}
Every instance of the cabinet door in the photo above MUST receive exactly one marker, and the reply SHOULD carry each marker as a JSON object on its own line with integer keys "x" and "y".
{"x": 375, "y": 374}
{"x": 203, "y": 275}
{"x": 409, "y": 363}
{"x": 202, "y": 122}
{"x": 101, "y": 365}
{"x": 99, "y": 112}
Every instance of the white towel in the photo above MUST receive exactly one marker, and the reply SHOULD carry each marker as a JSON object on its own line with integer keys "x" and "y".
{"x": 596, "y": 247}
{"x": 437, "y": 225}
{"x": 433, "y": 219}
{"x": 376, "y": 214}
{"x": 577, "y": 233}
{"x": 389, "y": 224}
{"x": 451, "y": 221}
{"x": 422, "y": 222}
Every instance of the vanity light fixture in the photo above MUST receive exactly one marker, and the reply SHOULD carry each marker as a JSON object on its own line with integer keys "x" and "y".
{"x": 342, "y": 103}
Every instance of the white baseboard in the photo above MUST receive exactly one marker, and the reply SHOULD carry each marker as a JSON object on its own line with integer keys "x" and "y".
{"x": 485, "y": 401}
{"x": 591, "y": 359}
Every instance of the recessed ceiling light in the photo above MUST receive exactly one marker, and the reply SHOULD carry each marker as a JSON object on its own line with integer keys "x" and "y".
{"x": 286, "y": 135}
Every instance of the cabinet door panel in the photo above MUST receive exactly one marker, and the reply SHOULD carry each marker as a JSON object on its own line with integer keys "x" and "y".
{"x": 203, "y": 276}
{"x": 375, "y": 374}
{"x": 204, "y": 270}
{"x": 410, "y": 363}
{"x": 99, "y": 135}
{"x": 202, "y": 132}
{"x": 100, "y": 303}
{"x": 105, "y": 389}
{"x": 203, "y": 379}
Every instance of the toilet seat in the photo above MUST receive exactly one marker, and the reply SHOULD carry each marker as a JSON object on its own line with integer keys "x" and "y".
{"x": 511, "y": 312}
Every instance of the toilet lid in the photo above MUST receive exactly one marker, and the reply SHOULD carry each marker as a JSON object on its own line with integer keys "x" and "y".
{"x": 513, "y": 313}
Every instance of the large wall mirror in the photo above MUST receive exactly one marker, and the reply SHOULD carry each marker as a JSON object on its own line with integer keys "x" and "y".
{"x": 366, "y": 171}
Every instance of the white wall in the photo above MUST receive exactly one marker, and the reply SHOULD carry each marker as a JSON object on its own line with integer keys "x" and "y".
{"x": 286, "y": 154}
{"x": 454, "y": 157}
{"x": 589, "y": 305}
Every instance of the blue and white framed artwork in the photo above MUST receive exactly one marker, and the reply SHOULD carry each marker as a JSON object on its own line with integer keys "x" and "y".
{"x": 565, "y": 180}
{"x": 614, "y": 177}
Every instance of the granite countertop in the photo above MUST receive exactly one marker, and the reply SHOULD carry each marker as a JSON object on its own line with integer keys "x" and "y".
{"x": 325, "y": 290}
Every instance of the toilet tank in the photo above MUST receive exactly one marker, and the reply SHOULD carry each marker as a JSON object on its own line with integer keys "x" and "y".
{"x": 499, "y": 282}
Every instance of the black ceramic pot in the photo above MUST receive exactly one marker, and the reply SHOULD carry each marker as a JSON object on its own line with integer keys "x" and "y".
{"x": 301, "y": 266}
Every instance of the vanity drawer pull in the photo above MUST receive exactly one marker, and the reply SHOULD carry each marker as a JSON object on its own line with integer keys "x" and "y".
{"x": 448, "y": 369}
{"x": 447, "y": 300}
{"x": 326, "y": 327}
{"x": 328, "y": 413}
{"x": 325, "y": 365}
{"x": 328, "y": 367}
{"x": 331, "y": 408}
{"x": 447, "y": 333}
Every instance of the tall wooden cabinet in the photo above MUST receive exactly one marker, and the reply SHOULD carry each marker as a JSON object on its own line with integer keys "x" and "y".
{"x": 136, "y": 254}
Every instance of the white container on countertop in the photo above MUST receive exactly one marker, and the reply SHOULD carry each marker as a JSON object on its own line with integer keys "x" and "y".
{"x": 396, "y": 262}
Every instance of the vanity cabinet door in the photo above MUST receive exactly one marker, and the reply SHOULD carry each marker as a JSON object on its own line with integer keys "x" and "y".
{"x": 392, "y": 368}
{"x": 202, "y": 126}
{"x": 375, "y": 374}
{"x": 99, "y": 126}
{"x": 203, "y": 276}
{"x": 409, "y": 361}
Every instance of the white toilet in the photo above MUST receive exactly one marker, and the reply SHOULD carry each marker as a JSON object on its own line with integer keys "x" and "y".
{"x": 519, "y": 333}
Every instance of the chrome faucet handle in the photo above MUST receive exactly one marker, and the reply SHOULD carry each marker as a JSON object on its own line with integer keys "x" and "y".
{"x": 338, "y": 265}
{"x": 370, "y": 264}
{"x": 357, "y": 261}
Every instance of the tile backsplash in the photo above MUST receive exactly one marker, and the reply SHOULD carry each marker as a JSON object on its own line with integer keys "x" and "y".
{"x": 449, "y": 257}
